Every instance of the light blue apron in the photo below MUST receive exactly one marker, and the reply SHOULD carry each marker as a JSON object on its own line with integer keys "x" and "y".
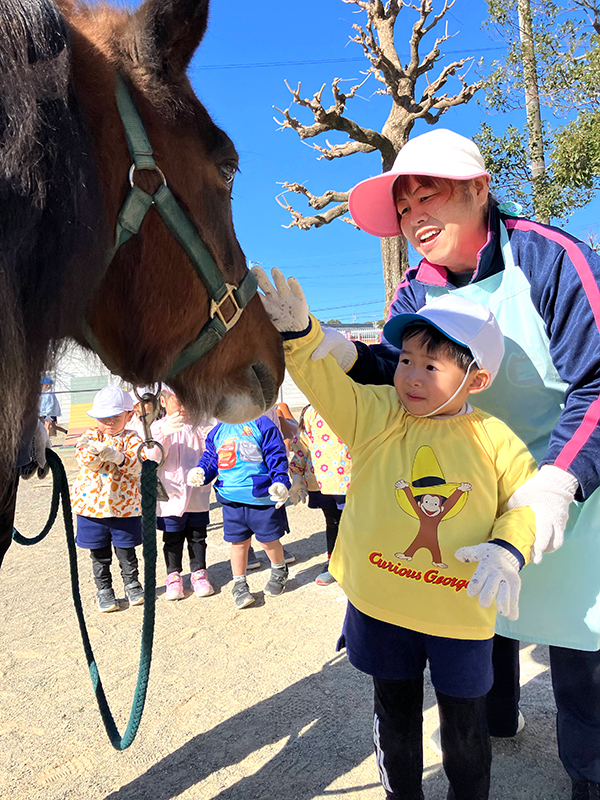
{"x": 560, "y": 598}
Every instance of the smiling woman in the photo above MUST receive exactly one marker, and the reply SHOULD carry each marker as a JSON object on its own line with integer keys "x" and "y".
{"x": 542, "y": 286}
{"x": 444, "y": 220}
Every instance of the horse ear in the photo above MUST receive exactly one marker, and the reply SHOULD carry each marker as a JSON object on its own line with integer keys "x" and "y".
{"x": 170, "y": 31}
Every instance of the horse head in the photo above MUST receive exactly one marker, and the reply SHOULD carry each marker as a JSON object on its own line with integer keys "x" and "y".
{"x": 150, "y": 304}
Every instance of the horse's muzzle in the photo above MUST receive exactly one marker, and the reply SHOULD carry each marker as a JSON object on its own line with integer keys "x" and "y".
{"x": 261, "y": 395}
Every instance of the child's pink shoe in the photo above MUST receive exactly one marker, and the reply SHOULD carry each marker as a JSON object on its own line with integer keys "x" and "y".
{"x": 200, "y": 583}
{"x": 174, "y": 587}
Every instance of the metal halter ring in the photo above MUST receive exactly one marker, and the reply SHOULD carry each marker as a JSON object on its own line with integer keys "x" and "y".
{"x": 133, "y": 168}
{"x": 151, "y": 443}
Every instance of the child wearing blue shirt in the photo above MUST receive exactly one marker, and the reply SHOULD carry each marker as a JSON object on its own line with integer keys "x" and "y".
{"x": 250, "y": 463}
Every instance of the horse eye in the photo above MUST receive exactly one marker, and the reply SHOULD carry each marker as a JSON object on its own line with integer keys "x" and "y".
{"x": 228, "y": 171}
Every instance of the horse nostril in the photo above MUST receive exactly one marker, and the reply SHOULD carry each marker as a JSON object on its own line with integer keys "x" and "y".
{"x": 267, "y": 383}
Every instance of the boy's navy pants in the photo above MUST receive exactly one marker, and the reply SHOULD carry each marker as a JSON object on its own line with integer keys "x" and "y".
{"x": 398, "y": 737}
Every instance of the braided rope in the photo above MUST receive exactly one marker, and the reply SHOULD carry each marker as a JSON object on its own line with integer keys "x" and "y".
{"x": 149, "y": 488}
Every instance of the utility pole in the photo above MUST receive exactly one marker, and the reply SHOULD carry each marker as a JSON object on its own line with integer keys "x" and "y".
{"x": 534, "y": 117}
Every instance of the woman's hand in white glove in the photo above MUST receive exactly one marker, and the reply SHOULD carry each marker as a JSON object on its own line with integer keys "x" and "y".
{"x": 196, "y": 477}
{"x": 172, "y": 424}
{"x": 278, "y": 494}
{"x": 335, "y": 343}
{"x": 283, "y": 300}
{"x": 549, "y": 493}
{"x": 298, "y": 490}
{"x": 497, "y": 576}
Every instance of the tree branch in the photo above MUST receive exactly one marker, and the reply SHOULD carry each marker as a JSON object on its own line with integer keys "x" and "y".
{"x": 331, "y": 118}
{"x": 314, "y": 201}
{"x": 340, "y": 150}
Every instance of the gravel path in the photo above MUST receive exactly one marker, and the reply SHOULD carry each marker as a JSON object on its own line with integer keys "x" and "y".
{"x": 242, "y": 705}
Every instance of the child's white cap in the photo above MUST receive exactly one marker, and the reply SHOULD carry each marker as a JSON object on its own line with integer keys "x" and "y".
{"x": 439, "y": 154}
{"x": 110, "y": 401}
{"x": 465, "y": 322}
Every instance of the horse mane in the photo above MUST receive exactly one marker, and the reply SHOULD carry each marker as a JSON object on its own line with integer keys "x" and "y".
{"x": 52, "y": 237}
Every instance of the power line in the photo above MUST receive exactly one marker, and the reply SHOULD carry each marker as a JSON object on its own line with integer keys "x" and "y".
{"x": 350, "y": 305}
{"x": 260, "y": 65}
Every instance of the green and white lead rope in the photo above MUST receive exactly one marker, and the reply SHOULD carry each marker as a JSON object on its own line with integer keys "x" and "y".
{"x": 60, "y": 492}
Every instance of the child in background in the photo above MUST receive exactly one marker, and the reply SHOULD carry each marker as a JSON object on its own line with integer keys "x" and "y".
{"x": 320, "y": 466}
{"x": 251, "y": 465}
{"x": 49, "y": 409}
{"x": 279, "y": 419}
{"x": 184, "y": 516}
{"x": 106, "y": 496}
{"x": 431, "y": 483}
{"x": 136, "y": 424}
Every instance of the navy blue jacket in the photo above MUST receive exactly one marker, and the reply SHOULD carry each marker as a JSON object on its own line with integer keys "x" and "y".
{"x": 564, "y": 275}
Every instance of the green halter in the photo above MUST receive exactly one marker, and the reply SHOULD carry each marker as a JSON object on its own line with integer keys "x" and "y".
{"x": 177, "y": 221}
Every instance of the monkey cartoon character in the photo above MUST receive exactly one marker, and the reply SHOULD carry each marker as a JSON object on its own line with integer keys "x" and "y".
{"x": 430, "y": 499}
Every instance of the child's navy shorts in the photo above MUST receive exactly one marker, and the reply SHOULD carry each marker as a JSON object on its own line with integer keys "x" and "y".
{"x": 241, "y": 521}
{"x": 189, "y": 520}
{"x": 94, "y": 532}
{"x": 459, "y": 667}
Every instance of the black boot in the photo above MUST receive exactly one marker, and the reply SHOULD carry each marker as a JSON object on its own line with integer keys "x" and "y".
{"x": 130, "y": 573}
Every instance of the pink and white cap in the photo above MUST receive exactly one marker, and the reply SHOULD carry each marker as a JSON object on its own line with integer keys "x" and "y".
{"x": 439, "y": 154}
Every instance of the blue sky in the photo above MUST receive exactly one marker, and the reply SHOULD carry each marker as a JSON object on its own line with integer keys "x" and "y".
{"x": 239, "y": 72}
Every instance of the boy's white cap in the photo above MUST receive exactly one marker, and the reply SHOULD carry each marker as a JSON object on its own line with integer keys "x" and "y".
{"x": 465, "y": 322}
{"x": 439, "y": 153}
{"x": 110, "y": 401}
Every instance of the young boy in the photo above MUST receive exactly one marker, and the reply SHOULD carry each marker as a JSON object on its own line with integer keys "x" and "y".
{"x": 106, "y": 496}
{"x": 431, "y": 479}
{"x": 252, "y": 468}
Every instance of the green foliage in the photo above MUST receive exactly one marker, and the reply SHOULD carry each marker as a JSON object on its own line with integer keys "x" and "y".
{"x": 567, "y": 52}
{"x": 567, "y": 185}
{"x": 333, "y": 322}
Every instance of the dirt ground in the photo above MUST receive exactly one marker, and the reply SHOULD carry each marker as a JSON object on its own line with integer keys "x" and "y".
{"x": 242, "y": 705}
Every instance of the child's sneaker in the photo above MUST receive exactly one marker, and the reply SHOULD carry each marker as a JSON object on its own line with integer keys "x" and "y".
{"x": 288, "y": 557}
{"x": 134, "y": 592}
{"x": 277, "y": 581}
{"x": 325, "y": 578}
{"x": 106, "y": 600}
{"x": 174, "y": 587}
{"x": 200, "y": 583}
{"x": 241, "y": 594}
{"x": 253, "y": 561}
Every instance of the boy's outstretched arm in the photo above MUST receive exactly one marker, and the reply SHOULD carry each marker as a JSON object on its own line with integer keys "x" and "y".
{"x": 353, "y": 412}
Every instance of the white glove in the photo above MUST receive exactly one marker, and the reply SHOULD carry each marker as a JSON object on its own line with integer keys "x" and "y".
{"x": 343, "y": 350}
{"x": 196, "y": 477}
{"x": 549, "y": 493}
{"x": 41, "y": 441}
{"x": 172, "y": 423}
{"x": 278, "y": 493}
{"x": 497, "y": 576}
{"x": 284, "y": 302}
{"x": 298, "y": 491}
{"x": 111, "y": 454}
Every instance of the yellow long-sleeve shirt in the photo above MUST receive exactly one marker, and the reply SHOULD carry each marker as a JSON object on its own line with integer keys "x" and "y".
{"x": 394, "y": 556}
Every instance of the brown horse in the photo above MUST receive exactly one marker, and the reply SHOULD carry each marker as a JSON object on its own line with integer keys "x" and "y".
{"x": 65, "y": 164}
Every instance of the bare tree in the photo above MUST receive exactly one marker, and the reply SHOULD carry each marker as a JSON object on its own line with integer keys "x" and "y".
{"x": 411, "y": 100}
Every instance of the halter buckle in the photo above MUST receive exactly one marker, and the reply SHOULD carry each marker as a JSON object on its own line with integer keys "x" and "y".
{"x": 215, "y": 307}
